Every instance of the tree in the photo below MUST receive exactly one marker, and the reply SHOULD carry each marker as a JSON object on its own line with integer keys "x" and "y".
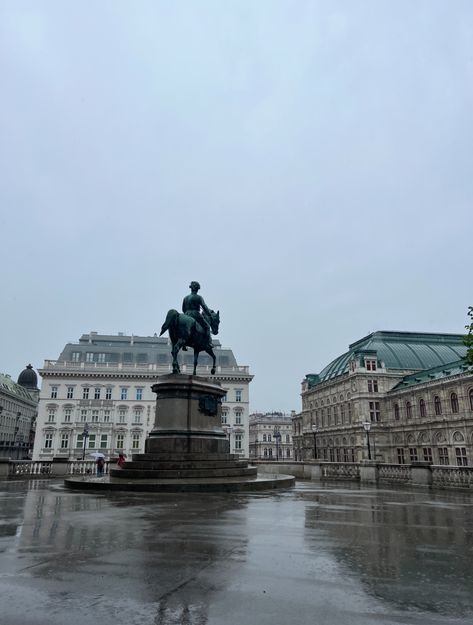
{"x": 468, "y": 340}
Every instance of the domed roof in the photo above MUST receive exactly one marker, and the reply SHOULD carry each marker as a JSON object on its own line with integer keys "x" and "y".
{"x": 28, "y": 377}
{"x": 413, "y": 351}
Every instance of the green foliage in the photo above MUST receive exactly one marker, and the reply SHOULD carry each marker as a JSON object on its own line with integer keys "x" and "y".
{"x": 468, "y": 340}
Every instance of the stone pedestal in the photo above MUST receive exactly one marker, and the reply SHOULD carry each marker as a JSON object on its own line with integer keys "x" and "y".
{"x": 188, "y": 417}
{"x": 187, "y": 449}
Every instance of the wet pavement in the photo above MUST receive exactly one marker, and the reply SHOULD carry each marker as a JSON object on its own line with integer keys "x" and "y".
{"x": 315, "y": 554}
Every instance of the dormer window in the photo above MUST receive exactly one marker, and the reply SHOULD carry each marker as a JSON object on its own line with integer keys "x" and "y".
{"x": 370, "y": 364}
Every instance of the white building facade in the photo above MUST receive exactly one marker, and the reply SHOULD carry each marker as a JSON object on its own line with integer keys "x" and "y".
{"x": 97, "y": 395}
{"x": 271, "y": 436}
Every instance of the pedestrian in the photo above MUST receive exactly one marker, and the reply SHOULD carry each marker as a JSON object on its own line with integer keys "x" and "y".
{"x": 121, "y": 459}
{"x": 100, "y": 466}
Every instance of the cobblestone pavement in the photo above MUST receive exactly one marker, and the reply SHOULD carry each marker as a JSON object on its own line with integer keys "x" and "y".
{"x": 316, "y": 554}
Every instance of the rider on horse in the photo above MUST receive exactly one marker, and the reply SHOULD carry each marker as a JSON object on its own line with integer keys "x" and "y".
{"x": 191, "y": 306}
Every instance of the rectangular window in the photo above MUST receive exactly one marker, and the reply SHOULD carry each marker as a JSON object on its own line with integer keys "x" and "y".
{"x": 460, "y": 453}
{"x": 237, "y": 395}
{"x": 427, "y": 454}
{"x": 53, "y": 392}
{"x": 120, "y": 441}
{"x": 238, "y": 418}
{"x": 108, "y": 393}
{"x": 103, "y": 441}
{"x": 100, "y": 357}
{"x": 70, "y": 392}
{"x": 224, "y": 417}
{"x": 413, "y": 454}
{"x": 135, "y": 441}
{"x": 89, "y": 357}
{"x": 370, "y": 364}
{"x": 91, "y": 441}
{"x": 95, "y": 416}
{"x": 123, "y": 393}
{"x": 79, "y": 441}
{"x": 443, "y": 455}
{"x": 67, "y": 415}
{"x": 401, "y": 459}
{"x": 139, "y": 394}
{"x": 97, "y": 392}
{"x": 238, "y": 441}
{"x": 372, "y": 386}
{"x": 83, "y": 415}
{"x": 48, "y": 441}
{"x": 106, "y": 416}
{"x": 121, "y": 415}
{"x": 75, "y": 356}
{"x": 375, "y": 414}
{"x": 51, "y": 415}
{"x": 224, "y": 398}
{"x": 137, "y": 416}
{"x": 85, "y": 392}
{"x": 64, "y": 441}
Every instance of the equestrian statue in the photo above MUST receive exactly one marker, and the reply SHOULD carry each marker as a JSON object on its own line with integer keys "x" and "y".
{"x": 191, "y": 328}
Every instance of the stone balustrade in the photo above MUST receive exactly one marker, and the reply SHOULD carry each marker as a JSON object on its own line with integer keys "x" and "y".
{"x": 415, "y": 474}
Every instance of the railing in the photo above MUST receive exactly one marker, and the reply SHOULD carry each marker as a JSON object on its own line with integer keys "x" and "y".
{"x": 394, "y": 472}
{"x": 340, "y": 471}
{"x": 456, "y": 477}
{"x": 78, "y": 366}
{"x": 30, "y": 468}
{"x": 85, "y": 467}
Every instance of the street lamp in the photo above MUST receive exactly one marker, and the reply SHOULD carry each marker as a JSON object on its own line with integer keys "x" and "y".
{"x": 277, "y": 436}
{"x": 315, "y": 429}
{"x": 229, "y": 434}
{"x": 85, "y": 435}
{"x": 367, "y": 428}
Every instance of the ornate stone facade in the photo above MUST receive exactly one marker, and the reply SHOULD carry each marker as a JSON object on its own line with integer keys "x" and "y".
{"x": 413, "y": 410}
{"x": 18, "y": 412}
{"x": 271, "y": 436}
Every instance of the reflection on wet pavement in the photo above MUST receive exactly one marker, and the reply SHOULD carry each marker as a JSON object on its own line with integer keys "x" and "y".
{"x": 333, "y": 553}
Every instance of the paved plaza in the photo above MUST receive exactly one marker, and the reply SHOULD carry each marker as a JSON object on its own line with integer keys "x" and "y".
{"x": 316, "y": 554}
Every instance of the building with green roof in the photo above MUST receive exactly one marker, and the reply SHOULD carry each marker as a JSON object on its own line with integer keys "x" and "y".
{"x": 412, "y": 390}
{"x": 18, "y": 412}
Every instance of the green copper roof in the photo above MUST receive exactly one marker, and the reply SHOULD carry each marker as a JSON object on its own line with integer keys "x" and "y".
{"x": 8, "y": 385}
{"x": 436, "y": 373}
{"x": 397, "y": 350}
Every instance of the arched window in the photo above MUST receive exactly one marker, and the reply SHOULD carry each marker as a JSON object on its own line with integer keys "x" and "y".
{"x": 265, "y": 452}
{"x": 264, "y": 439}
{"x": 408, "y": 410}
{"x": 471, "y": 399}
{"x": 437, "y": 405}
{"x": 342, "y": 413}
{"x": 423, "y": 412}
{"x": 396, "y": 412}
{"x": 454, "y": 402}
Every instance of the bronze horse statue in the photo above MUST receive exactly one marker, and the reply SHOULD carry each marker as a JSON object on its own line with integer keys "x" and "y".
{"x": 185, "y": 331}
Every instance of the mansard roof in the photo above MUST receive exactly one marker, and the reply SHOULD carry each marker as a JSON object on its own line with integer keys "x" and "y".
{"x": 128, "y": 349}
{"x": 7, "y": 385}
{"x": 414, "y": 351}
{"x": 436, "y": 373}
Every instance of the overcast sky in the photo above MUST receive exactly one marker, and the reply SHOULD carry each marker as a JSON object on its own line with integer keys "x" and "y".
{"x": 309, "y": 163}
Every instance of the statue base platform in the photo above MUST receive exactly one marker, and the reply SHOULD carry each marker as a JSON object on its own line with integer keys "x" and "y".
{"x": 187, "y": 449}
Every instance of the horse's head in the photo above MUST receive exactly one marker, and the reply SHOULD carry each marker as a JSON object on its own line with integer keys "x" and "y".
{"x": 214, "y": 321}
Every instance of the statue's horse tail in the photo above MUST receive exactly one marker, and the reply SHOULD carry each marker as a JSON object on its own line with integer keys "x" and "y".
{"x": 172, "y": 314}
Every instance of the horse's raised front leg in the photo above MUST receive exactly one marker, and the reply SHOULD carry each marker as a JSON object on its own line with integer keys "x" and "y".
{"x": 210, "y": 352}
{"x": 196, "y": 358}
